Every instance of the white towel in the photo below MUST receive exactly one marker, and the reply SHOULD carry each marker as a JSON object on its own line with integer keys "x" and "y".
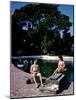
{"x": 53, "y": 87}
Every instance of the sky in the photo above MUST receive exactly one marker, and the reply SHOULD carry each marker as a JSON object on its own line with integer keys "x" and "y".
{"x": 65, "y": 9}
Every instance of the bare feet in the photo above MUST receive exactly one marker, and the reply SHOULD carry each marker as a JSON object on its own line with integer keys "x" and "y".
{"x": 42, "y": 85}
{"x": 37, "y": 85}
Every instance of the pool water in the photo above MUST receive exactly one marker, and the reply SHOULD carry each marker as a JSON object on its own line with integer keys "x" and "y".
{"x": 47, "y": 67}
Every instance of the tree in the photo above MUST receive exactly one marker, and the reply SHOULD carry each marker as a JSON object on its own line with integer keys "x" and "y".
{"x": 43, "y": 26}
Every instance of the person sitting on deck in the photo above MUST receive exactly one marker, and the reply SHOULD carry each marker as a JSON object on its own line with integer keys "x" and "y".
{"x": 61, "y": 66}
{"x": 34, "y": 70}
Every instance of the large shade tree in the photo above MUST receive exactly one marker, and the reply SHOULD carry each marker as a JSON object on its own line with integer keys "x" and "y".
{"x": 37, "y": 28}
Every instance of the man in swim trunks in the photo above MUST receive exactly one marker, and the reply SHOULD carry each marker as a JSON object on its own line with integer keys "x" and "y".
{"x": 35, "y": 71}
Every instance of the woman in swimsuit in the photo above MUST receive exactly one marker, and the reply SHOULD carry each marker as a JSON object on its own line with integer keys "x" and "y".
{"x": 61, "y": 65}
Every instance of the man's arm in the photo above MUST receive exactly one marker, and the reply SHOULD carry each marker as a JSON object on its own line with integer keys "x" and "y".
{"x": 31, "y": 69}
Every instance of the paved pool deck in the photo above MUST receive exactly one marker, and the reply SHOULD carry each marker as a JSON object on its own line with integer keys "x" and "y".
{"x": 19, "y": 88}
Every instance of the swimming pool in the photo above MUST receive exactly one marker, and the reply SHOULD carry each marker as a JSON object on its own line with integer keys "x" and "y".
{"x": 47, "y": 67}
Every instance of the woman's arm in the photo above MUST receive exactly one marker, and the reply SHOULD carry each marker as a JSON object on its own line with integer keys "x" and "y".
{"x": 59, "y": 64}
{"x": 56, "y": 69}
{"x": 63, "y": 64}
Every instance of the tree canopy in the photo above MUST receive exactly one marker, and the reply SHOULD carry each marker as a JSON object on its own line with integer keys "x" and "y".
{"x": 37, "y": 28}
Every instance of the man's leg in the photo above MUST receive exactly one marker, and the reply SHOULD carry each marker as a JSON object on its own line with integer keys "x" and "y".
{"x": 40, "y": 77}
{"x": 34, "y": 75}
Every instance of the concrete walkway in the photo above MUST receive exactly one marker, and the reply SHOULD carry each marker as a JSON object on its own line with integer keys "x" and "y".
{"x": 19, "y": 88}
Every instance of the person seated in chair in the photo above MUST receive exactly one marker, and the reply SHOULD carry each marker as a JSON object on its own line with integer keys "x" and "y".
{"x": 34, "y": 70}
{"x": 61, "y": 66}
